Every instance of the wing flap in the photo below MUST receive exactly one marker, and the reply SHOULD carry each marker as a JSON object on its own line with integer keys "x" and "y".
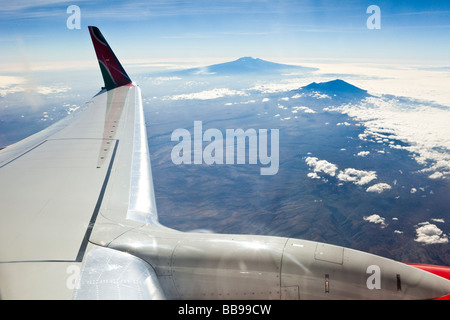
{"x": 48, "y": 197}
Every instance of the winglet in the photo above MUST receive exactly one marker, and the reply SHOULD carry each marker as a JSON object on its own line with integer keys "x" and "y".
{"x": 113, "y": 73}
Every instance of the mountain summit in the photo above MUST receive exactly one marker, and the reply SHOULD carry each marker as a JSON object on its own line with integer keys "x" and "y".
{"x": 333, "y": 86}
{"x": 245, "y": 65}
{"x": 337, "y": 87}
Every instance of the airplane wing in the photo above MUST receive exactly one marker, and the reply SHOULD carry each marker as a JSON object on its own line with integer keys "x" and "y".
{"x": 78, "y": 220}
{"x": 57, "y": 185}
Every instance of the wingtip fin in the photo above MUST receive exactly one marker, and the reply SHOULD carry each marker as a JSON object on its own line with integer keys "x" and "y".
{"x": 114, "y": 75}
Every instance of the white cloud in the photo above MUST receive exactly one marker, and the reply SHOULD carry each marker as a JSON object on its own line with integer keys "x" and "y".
{"x": 422, "y": 126}
{"x": 319, "y": 95}
{"x": 159, "y": 80}
{"x": 207, "y": 94}
{"x": 11, "y": 84}
{"x": 313, "y": 175}
{"x": 71, "y": 108}
{"x": 395, "y": 79}
{"x": 51, "y": 90}
{"x": 321, "y": 166}
{"x": 378, "y": 188}
{"x": 375, "y": 218}
{"x": 12, "y": 89}
{"x": 304, "y": 109}
{"x": 6, "y": 81}
{"x": 429, "y": 233}
{"x": 14, "y": 84}
{"x": 436, "y": 175}
{"x": 359, "y": 177}
{"x": 297, "y": 95}
{"x": 363, "y": 153}
{"x": 248, "y": 102}
{"x": 285, "y": 85}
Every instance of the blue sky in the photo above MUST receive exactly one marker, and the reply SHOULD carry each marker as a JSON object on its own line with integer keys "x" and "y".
{"x": 196, "y": 29}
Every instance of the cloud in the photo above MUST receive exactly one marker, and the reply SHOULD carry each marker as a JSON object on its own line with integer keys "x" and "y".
{"x": 321, "y": 166}
{"x": 429, "y": 233}
{"x": 302, "y": 108}
{"x": 160, "y": 80}
{"x": 297, "y": 95}
{"x": 6, "y": 81}
{"x": 359, "y": 177}
{"x": 207, "y": 94}
{"x": 283, "y": 86}
{"x": 51, "y": 90}
{"x": 436, "y": 175}
{"x": 313, "y": 175}
{"x": 15, "y": 84}
{"x": 319, "y": 95}
{"x": 375, "y": 218}
{"x": 379, "y": 187}
{"x": 11, "y": 84}
{"x": 421, "y": 127}
{"x": 44, "y": 90}
{"x": 363, "y": 153}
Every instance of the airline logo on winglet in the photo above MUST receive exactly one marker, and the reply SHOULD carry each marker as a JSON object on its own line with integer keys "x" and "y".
{"x": 113, "y": 73}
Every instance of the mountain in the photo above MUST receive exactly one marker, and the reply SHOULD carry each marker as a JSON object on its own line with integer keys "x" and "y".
{"x": 245, "y": 65}
{"x": 337, "y": 87}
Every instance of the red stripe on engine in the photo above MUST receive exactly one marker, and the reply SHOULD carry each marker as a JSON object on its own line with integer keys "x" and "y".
{"x": 441, "y": 271}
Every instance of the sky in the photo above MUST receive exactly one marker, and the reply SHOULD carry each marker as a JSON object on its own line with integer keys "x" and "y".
{"x": 167, "y": 30}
